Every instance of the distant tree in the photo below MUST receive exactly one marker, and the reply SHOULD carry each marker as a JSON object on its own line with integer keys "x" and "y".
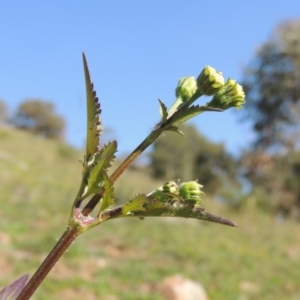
{"x": 39, "y": 118}
{"x": 275, "y": 181}
{"x": 272, "y": 86}
{"x": 193, "y": 157}
{"x": 3, "y": 112}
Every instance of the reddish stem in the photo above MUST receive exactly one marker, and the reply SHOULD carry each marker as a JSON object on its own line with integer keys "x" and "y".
{"x": 61, "y": 246}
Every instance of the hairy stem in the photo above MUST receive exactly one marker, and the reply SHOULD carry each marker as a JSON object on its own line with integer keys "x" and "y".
{"x": 61, "y": 246}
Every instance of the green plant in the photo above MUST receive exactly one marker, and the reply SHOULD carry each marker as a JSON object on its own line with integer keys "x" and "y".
{"x": 92, "y": 204}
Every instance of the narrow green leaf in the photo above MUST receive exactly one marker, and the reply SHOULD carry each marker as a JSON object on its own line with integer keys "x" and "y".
{"x": 184, "y": 115}
{"x": 209, "y": 108}
{"x": 135, "y": 205}
{"x": 94, "y": 123}
{"x": 109, "y": 195}
{"x": 101, "y": 163}
{"x": 179, "y": 209}
{"x": 163, "y": 111}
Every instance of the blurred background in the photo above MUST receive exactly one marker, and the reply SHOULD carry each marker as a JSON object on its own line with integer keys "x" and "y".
{"x": 248, "y": 160}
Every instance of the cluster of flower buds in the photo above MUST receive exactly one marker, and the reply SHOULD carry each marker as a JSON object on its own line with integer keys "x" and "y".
{"x": 173, "y": 191}
{"x": 211, "y": 83}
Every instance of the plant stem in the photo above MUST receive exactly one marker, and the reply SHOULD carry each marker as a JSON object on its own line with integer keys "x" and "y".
{"x": 135, "y": 153}
{"x": 138, "y": 151}
{"x": 61, "y": 246}
{"x": 122, "y": 167}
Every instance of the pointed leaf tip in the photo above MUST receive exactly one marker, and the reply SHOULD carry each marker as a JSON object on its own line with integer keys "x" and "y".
{"x": 94, "y": 122}
{"x": 163, "y": 111}
{"x": 84, "y": 57}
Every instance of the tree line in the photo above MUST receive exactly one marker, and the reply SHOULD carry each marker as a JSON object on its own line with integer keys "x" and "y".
{"x": 272, "y": 85}
{"x": 35, "y": 116}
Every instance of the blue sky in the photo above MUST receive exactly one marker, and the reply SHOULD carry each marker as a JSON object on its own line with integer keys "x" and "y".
{"x": 137, "y": 51}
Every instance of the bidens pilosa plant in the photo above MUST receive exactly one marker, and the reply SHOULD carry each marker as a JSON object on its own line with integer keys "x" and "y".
{"x": 174, "y": 199}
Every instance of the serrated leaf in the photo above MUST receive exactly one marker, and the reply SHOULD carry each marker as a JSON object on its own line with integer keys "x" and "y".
{"x": 102, "y": 162}
{"x": 179, "y": 209}
{"x": 94, "y": 123}
{"x": 163, "y": 111}
{"x": 109, "y": 195}
{"x": 163, "y": 197}
{"x": 184, "y": 115}
{"x": 135, "y": 205}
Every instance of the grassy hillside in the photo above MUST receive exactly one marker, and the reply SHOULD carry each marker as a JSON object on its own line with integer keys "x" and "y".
{"x": 126, "y": 259}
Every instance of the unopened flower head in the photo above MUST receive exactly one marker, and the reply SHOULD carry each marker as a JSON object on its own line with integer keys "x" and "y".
{"x": 230, "y": 95}
{"x": 186, "y": 88}
{"x": 191, "y": 192}
{"x": 209, "y": 81}
{"x": 166, "y": 192}
{"x": 170, "y": 187}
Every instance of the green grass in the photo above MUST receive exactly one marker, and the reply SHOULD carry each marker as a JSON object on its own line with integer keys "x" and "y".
{"x": 127, "y": 259}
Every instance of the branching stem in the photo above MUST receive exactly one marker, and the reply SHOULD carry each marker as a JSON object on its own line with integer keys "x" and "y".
{"x": 122, "y": 167}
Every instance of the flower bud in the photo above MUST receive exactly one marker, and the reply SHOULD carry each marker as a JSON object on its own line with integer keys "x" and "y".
{"x": 230, "y": 95}
{"x": 209, "y": 81}
{"x": 191, "y": 191}
{"x": 170, "y": 187}
{"x": 166, "y": 192}
{"x": 186, "y": 88}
